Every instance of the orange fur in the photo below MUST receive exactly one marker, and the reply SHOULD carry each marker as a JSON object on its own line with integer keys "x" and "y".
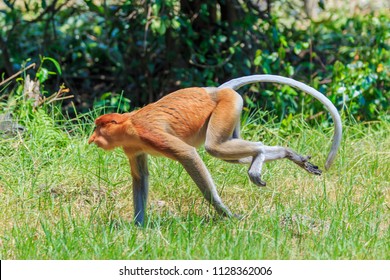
{"x": 178, "y": 123}
{"x": 183, "y": 114}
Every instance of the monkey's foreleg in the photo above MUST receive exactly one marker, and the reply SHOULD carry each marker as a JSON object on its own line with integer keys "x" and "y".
{"x": 195, "y": 167}
{"x": 140, "y": 174}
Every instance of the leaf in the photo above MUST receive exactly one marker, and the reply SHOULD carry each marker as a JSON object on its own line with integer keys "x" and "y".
{"x": 257, "y": 60}
{"x": 250, "y": 103}
{"x": 290, "y": 70}
{"x": 156, "y": 8}
{"x": 175, "y": 24}
{"x": 55, "y": 62}
{"x": 158, "y": 26}
{"x": 222, "y": 38}
{"x": 298, "y": 48}
{"x": 281, "y": 52}
{"x": 162, "y": 29}
{"x": 106, "y": 96}
{"x": 42, "y": 75}
{"x": 338, "y": 66}
{"x": 94, "y": 8}
{"x": 266, "y": 68}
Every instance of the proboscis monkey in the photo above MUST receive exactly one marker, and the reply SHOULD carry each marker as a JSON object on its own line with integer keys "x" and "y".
{"x": 185, "y": 119}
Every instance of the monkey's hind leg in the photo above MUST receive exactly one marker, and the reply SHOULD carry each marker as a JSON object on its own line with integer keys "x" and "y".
{"x": 270, "y": 153}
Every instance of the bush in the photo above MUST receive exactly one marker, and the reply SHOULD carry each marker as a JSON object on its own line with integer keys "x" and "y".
{"x": 137, "y": 51}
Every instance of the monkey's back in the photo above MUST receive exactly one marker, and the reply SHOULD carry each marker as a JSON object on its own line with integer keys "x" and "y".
{"x": 183, "y": 113}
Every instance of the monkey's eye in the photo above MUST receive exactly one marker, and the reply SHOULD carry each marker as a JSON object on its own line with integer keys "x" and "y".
{"x": 113, "y": 121}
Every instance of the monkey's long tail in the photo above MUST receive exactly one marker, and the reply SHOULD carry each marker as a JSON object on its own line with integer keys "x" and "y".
{"x": 239, "y": 82}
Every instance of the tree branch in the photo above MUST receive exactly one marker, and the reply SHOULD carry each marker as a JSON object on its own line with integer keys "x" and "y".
{"x": 17, "y": 74}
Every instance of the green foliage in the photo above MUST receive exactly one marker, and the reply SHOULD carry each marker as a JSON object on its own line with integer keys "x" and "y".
{"x": 30, "y": 93}
{"x": 43, "y": 73}
{"x": 357, "y": 88}
{"x": 361, "y": 64}
{"x": 109, "y": 101}
{"x": 142, "y": 50}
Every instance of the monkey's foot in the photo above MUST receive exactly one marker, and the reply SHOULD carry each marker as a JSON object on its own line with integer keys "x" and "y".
{"x": 308, "y": 166}
{"x": 311, "y": 168}
{"x": 256, "y": 179}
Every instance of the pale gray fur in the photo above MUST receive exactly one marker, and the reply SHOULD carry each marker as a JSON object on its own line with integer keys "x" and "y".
{"x": 240, "y": 82}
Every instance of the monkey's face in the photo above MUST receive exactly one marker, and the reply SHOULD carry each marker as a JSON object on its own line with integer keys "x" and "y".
{"x": 110, "y": 131}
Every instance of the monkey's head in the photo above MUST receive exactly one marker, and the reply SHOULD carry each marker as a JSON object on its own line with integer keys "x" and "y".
{"x": 110, "y": 131}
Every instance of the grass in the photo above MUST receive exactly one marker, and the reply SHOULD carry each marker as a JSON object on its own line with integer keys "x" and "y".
{"x": 63, "y": 199}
